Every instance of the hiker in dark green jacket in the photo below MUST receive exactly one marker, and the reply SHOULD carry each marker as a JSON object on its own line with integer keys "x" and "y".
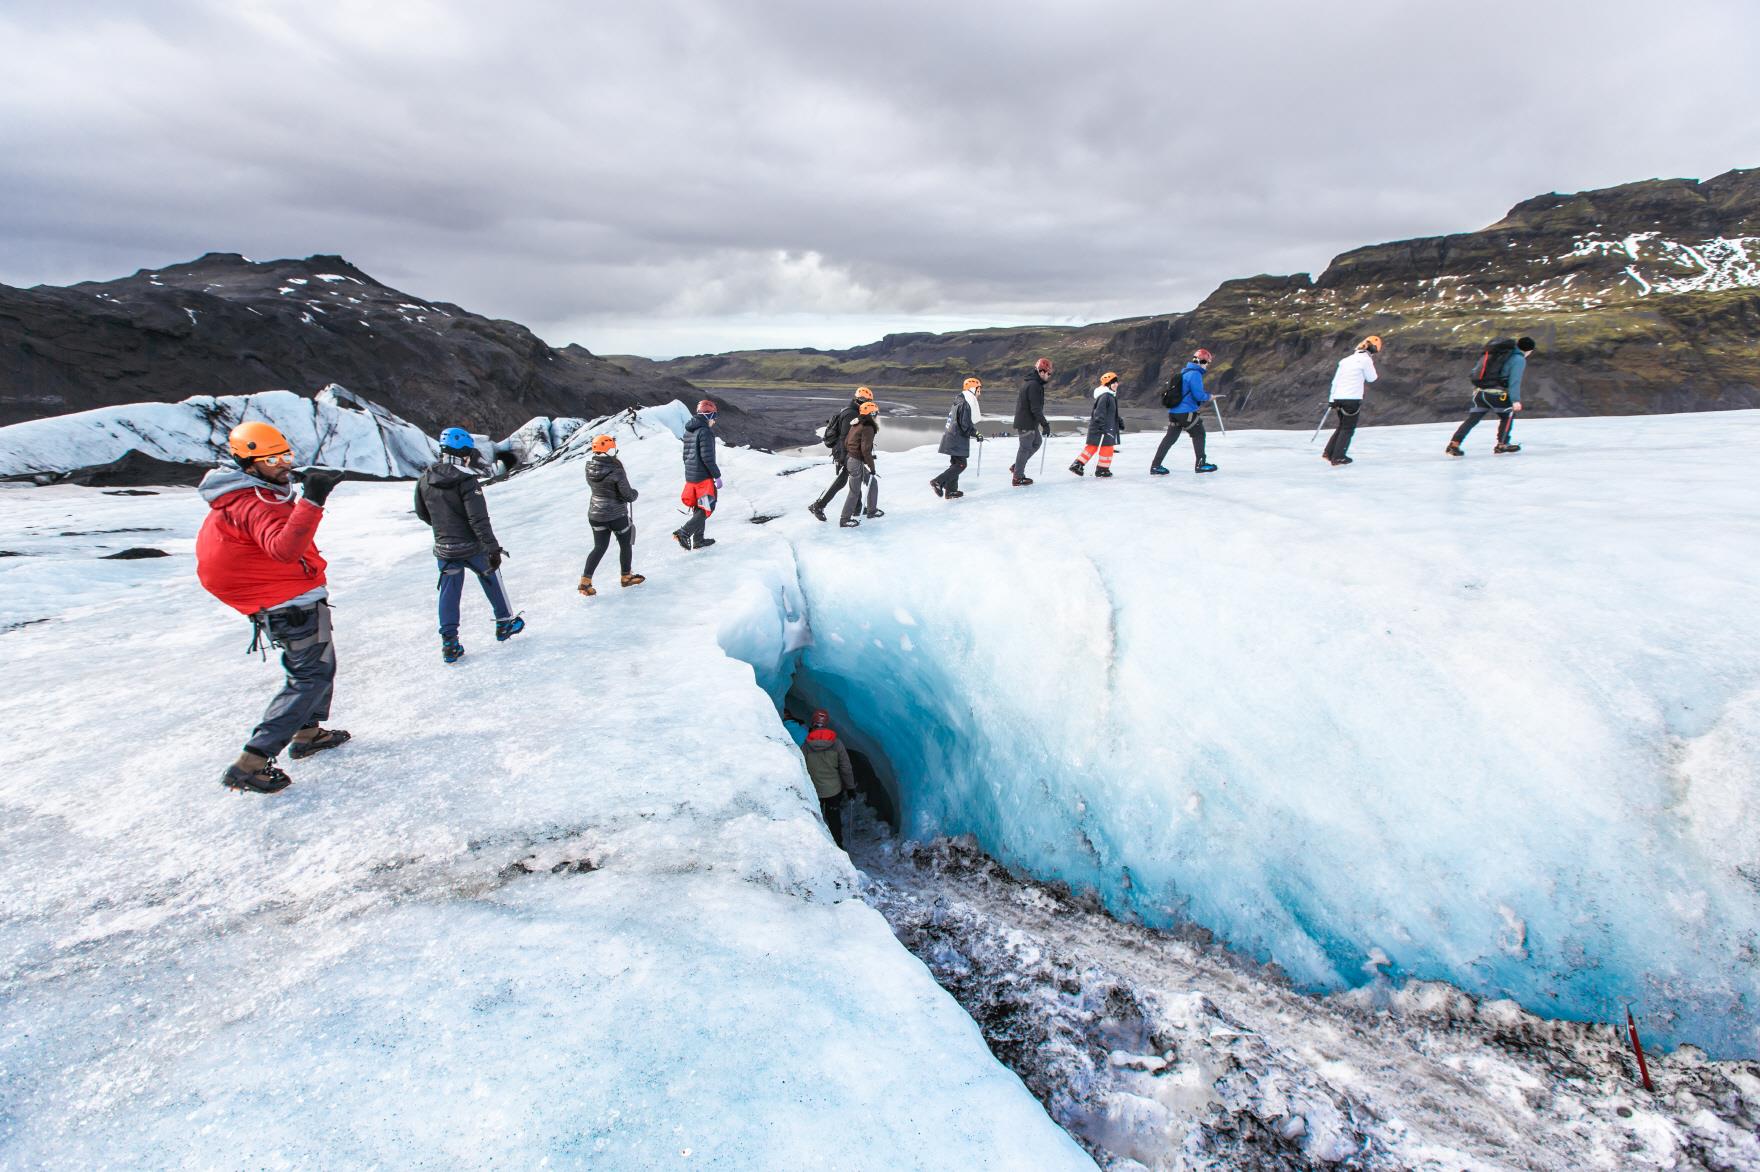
{"x": 828, "y": 766}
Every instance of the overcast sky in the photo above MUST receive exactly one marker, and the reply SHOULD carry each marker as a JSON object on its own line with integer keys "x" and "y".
{"x": 674, "y": 177}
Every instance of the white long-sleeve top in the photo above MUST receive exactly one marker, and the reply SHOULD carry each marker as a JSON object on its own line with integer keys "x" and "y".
{"x": 1354, "y": 372}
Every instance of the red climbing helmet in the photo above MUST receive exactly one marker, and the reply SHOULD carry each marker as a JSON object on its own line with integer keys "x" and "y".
{"x": 821, "y": 718}
{"x": 706, "y": 407}
{"x": 1202, "y": 355}
{"x": 1043, "y": 366}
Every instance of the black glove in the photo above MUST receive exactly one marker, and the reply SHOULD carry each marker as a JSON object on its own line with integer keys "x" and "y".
{"x": 1046, "y": 431}
{"x": 318, "y": 482}
{"x": 495, "y": 559}
{"x": 979, "y": 438}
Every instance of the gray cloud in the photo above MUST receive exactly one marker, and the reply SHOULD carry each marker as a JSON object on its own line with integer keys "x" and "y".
{"x": 681, "y": 176}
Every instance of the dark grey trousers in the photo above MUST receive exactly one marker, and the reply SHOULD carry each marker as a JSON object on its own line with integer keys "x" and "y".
{"x": 308, "y": 656}
{"x": 1030, "y": 441}
{"x": 858, "y": 474}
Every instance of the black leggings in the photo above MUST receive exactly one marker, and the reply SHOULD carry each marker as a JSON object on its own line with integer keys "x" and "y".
{"x": 1187, "y": 421}
{"x": 1340, "y": 443}
{"x": 626, "y": 540}
{"x": 1492, "y": 402}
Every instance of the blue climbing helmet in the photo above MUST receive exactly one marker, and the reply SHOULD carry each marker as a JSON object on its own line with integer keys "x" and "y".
{"x": 457, "y": 439}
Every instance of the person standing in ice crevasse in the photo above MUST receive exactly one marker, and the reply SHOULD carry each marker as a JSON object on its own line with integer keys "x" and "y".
{"x": 1184, "y": 413}
{"x": 958, "y": 437}
{"x": 609, "y": 514}
{"x": 1029, "y": 419}
{"x": 1103, "y": 427}
{"x": 836, "y": 431}
{"x": 449, "y": 499}
{"x": 256, "y": 553}
{"x": 859, "y": 459}
{"x": 1498, "y": 383}
{"x": 828, "y": 766}
{"x": 1355, "y": 371}
{"x": 702, "y": 477}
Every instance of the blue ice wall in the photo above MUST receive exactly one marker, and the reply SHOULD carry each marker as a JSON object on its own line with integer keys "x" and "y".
{"x": 1342, "y": 806}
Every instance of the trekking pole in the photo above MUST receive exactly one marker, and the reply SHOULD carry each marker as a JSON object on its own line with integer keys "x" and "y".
{"x": 1044, "y": 446}
{"x": 1323, "y": 414}
{"x": 1638, "y": 1049}
{"x": 980, "y": 457}
{"x": 1219, "y": 422}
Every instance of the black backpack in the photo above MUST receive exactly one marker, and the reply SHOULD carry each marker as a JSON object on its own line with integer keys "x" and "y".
{"x": 1175, "y": 392}
{"x": 836, "y": 428}
{"x": 1493, "y": 369}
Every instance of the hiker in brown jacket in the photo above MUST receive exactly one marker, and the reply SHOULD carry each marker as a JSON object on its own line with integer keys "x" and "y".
{"x": 858, "y": 448}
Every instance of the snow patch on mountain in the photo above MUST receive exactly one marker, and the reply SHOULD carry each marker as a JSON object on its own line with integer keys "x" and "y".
{"x": 1676, "y": 266}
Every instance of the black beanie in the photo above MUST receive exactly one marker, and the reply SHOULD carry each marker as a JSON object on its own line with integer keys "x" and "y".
{"x": 1525, "y": 344}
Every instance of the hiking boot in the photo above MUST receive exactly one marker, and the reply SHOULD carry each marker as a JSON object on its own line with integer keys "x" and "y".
{"x": 1206, "y": 466}
{"x": 586, "y": 587}
{"x": 1341, "y": 461}
{"x": 817, "y": 511}
{"x": 684, "y": 542}
{"x": 954, "y": 493}
{"x": 326, "y": 738}
{"x": 506, "y": 629}
{"x": 847, "y": 523}
{"x": 629, "y": 580}
{"x": 451, "y": 650}
{"x": 1022, "y": 481}
{"x": 1078, "y": 468}
{"x": 872, "y": 513}
{"x": 1454, "y": 449}
{"x": 936, "y": 485}
{"x": 255, "y": 774}
{"x": 705, "y": 542}
{"x": 1158, "y": 470}
{"x": 1102, "y": 471}
{"x": 1507, "y": 448}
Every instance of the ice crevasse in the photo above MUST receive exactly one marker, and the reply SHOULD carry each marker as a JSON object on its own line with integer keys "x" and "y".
{"x": 1462, "y": 729}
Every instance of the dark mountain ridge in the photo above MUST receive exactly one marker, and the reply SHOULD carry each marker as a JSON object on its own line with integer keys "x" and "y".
{"x": 225, "y": 325}
{"x": 1644, "y": 298}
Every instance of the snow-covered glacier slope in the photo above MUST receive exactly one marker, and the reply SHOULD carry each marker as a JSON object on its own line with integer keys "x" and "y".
{"x": 566, "y": 903}
{"x": 1494, "y": 721}
{"x": 333, "y": 427}
{"x": 1489, "y": 720}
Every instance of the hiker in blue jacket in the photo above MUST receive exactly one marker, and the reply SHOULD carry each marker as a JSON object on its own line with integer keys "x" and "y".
{"x": 1505, "y": 400}
{"x": 1186, "y": 414}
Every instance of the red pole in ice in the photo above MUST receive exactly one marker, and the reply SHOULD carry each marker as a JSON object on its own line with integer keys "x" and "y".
{"x": 1638, "y": 1049}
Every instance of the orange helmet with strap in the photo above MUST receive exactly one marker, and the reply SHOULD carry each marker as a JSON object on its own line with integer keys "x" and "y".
{"x": 870, "y": 408}
{"x": 603, "y": 443}
{"x": 1109, "y": 378}
{"x": 974, "y": 384}
{"x": 254, "y": 439}
{"x": 864, "y": 393}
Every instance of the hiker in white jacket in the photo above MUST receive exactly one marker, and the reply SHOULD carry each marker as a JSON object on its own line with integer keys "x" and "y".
{"x": 1355, "y": 372}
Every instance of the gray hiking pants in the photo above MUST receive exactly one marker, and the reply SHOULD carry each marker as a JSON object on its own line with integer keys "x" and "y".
{"x": 1030, "y": 441}
{"x": 308, "y": 656}
{"x": 858, "y": 473}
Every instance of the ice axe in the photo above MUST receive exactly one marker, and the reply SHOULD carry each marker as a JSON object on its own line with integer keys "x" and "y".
{"x": 1327, "y": 410}
{"x": 1221, "y": 425}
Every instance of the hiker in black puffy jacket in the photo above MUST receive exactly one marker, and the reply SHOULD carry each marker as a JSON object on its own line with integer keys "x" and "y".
{"x": 837, "y": 432}
{"x": 957, "y": 438}
{"x": 450, "y": 499}
{"x": 609, "y": 514}
{"x": 702, "y": 477}
{"x": 1030, "y": 422}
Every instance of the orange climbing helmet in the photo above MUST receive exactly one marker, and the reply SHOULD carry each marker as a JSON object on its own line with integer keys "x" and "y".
{"x": 1109, "y": 378}
{"x": 973, "y": 384}
{"x": 1372, "y": 344}
{"x": 870, "y": 408}
{"x": 603, "y": 443}
{"x": 254, "y": 439}
{"x": 864, "y": 393}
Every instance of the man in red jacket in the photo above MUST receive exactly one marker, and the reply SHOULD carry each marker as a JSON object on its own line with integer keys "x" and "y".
{"x": 255, "y": 553}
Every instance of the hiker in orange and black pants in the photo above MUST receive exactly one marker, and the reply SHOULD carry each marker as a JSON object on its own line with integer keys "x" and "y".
{"x": 702, "y": 477}
{"x": 1103, "y": 427}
